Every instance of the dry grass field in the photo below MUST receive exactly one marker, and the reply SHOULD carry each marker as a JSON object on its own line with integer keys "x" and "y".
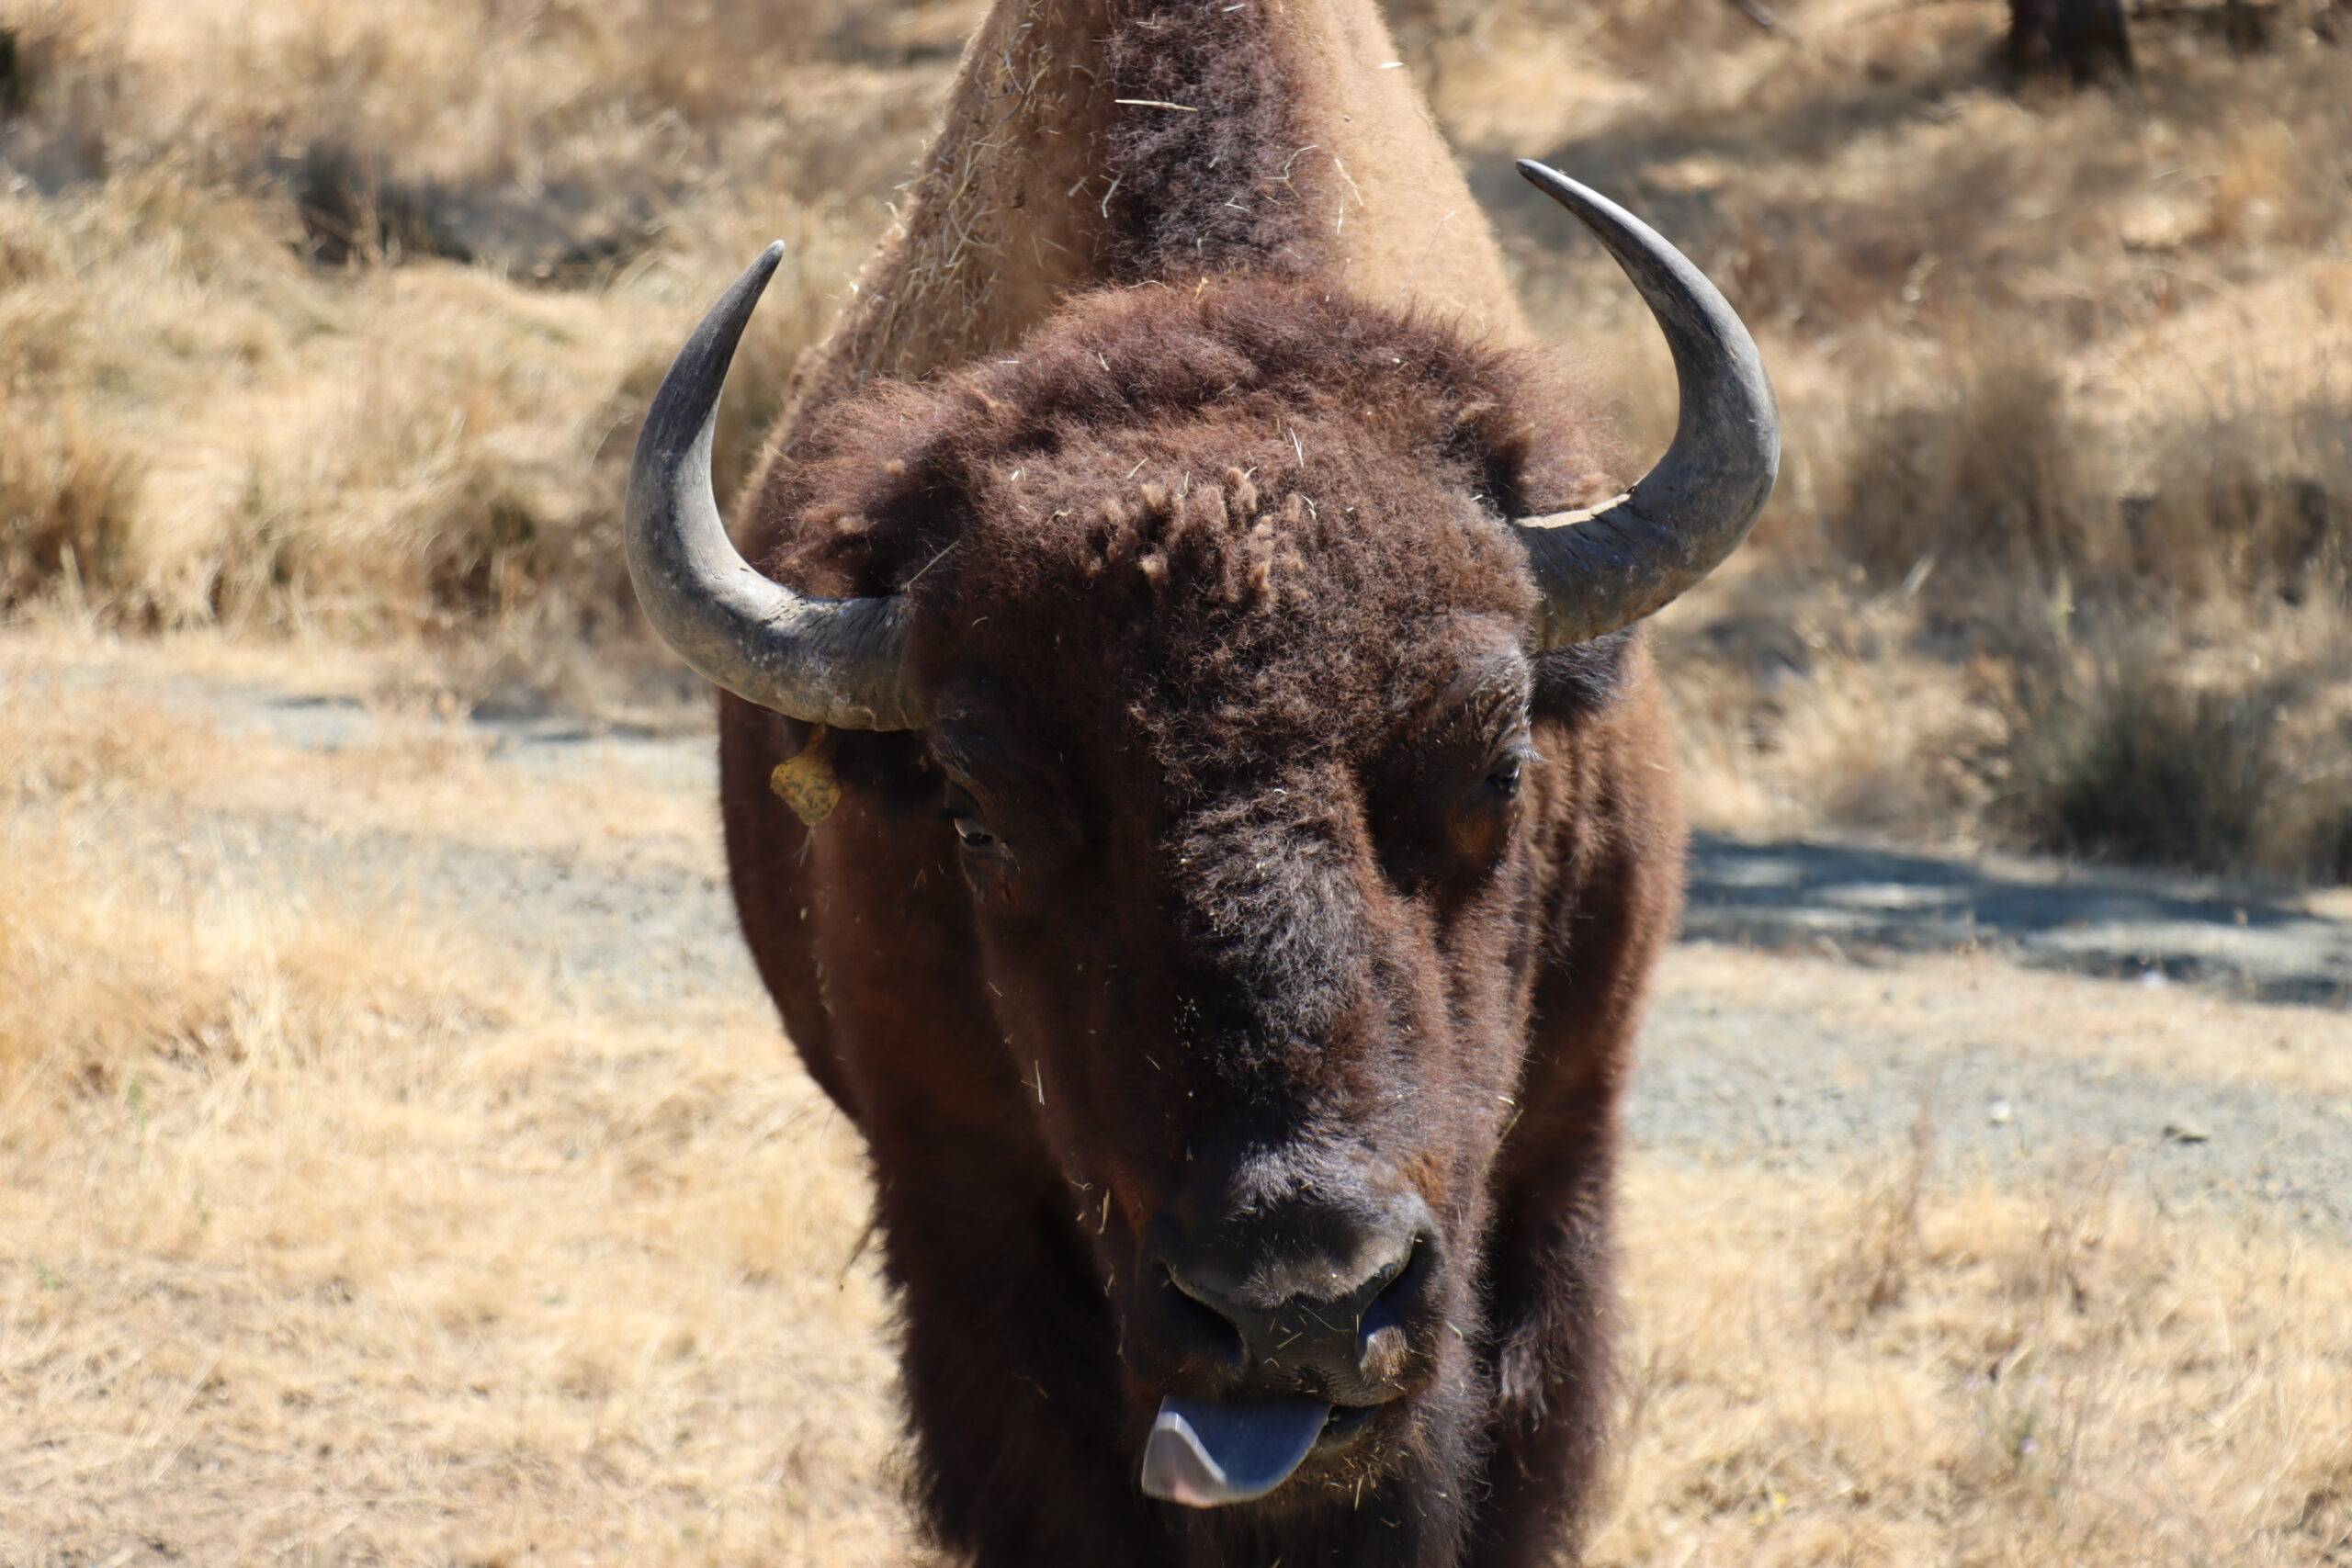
{"x": 398, "y": 1162}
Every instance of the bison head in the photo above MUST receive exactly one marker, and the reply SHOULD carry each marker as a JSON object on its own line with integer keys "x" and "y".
{"x": 1241, "y": 642}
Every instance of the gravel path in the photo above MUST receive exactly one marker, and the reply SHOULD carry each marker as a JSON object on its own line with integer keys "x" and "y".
{"x": 1794, "y": 1090}
{"x": 1774, "y": 1086}
{"x": 2046, "y": 913}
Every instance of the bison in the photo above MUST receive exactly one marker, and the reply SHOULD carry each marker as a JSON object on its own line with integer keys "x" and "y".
{"x": 1231, "y": 815}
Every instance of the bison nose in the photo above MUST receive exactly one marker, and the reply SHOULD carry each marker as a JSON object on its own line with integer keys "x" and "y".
{"x": 1334, "y": 1316}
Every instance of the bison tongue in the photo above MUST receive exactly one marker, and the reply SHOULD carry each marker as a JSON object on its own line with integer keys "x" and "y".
{"x": 1205, "y": 1454}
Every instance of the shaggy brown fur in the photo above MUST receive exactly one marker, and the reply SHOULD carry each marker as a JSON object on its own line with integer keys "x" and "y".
{"x": 1289, "y": 877}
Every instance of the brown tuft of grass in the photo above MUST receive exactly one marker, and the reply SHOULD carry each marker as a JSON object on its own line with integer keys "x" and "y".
{"x": 1804, "y": 704}
{"x": 2250, "y": 504}
{"x": 2002, "y": 484}
{"x": 467, "y": 483}
{"x": 1872, "y": 1269}
{"x": 2133, "y": 753}
{"x": 1993, "y": 479}
{"x": 2268, "y": 187}
{"x": 386, "y": 502}
{"x": 69, "y": 503}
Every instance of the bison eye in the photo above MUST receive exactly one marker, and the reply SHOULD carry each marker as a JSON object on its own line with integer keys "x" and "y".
{"x": 1502, "y": 781}
{"x": 964, "y": 812}
{"x": 970, "y": 830}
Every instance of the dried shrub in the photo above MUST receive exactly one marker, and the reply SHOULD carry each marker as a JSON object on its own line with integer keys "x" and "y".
{"x": 2007, "y": 482}
{"x": 1871, "y": 1270}
{"x": 1992, "y": 477}
{"x": 2253, "y": 504}
{"x": 69, "y": 502}
{"x": 353, "y": 212}
{"x": 61, "y": 90}
{"x": 2131, "y": 752}
{"x": 392, "y": 506}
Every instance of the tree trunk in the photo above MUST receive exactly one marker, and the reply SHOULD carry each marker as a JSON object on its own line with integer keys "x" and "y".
{"x": 2089, "y": 40}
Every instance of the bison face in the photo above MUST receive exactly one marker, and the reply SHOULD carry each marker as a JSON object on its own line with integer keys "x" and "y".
{"x": 1227, "y": 617}
{"x": 1241, "y": 778}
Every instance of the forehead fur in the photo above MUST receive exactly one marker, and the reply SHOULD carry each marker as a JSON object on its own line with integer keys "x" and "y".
{"x": 1251, "y": 503}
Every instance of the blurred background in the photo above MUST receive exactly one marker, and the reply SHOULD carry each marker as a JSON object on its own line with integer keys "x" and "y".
{"x": 397, "y": 1161}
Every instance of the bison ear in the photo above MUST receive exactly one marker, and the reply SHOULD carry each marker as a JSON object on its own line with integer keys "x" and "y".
{"x": 1576, "y": 682}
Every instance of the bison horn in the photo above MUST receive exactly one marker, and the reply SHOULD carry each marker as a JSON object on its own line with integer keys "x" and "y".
{"x": 1599, "y": 569}
{"x": 837, "y": 662}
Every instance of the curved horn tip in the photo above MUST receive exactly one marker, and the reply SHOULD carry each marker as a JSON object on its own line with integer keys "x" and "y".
{"x": 1558, "y": 186}
{"x": 745, "y": 291}
{"x": 1537, "y": 172}
{"x": 1599, "y": 571}
{"x": 732, "y": 309}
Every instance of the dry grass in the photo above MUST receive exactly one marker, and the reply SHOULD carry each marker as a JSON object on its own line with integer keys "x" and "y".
{"x": 2005, "y": 480}
{"x": 409, "y": 765}
{"x": 345, "y": 1285}
{"x": 268, "y": 396}
{"x": 68, "y": 500}
{"x": 117, "y": 964}
{"x": 123, "y": 949}
{"x": 331, "y": 1234}
{"x": 2036, "y": 1373}
{"x": 2120, "y": 752}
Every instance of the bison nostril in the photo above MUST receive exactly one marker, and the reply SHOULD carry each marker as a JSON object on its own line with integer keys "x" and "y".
{"x": 1380, "y": 1284}
{"x": 1385, "y": 1340}
{"x": 1209, "y": 1324}
{"x": 1383, "y": 1348}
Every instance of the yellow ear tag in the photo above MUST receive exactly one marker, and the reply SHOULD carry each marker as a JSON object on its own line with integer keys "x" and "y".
{"x": 806, "y": 782}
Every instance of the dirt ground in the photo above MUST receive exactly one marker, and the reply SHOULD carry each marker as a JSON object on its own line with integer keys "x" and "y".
{"x": 484, "y": 1217}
